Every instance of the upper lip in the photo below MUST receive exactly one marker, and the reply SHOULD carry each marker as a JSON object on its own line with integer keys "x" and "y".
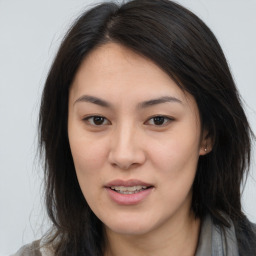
{"x": 127, "y": 183}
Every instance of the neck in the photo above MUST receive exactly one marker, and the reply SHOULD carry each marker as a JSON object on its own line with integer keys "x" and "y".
{"x": 179, "y": 237}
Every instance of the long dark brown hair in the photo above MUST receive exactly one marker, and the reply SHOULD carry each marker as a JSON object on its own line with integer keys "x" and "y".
{"x": 185, "y": 48}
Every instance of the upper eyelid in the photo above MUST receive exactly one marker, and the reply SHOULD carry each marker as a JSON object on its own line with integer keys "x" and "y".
{"x": 164, "y": 116}
{"x": 90, "y": 116}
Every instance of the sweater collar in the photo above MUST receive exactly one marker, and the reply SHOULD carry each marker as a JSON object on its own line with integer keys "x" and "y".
{"x": 220, "y": 242}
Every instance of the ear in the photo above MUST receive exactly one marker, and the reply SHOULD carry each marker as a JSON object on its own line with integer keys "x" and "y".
{"x": 206, "y": 143}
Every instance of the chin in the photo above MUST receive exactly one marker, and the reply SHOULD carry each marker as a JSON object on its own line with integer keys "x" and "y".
{"x": 130, "y": 225}
{"x": 130, "y": 230}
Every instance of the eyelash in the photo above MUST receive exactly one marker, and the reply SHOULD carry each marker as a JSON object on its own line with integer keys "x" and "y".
{"x": 167, "y": 120}
{"x": 87, "y": 119}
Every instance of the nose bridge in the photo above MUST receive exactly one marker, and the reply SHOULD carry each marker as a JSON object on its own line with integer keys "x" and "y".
{"x": 125, "y": 146}
{"x": 123, "y": 139}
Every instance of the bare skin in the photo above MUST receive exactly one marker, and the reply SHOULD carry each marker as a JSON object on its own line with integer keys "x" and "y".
{"x": 129, "y": 121}
{"x": 181, "y": 240}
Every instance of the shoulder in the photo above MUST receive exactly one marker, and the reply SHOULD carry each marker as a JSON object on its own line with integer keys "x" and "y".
{"x": 253, "y": 225}
{"x": 34, "y": 249}
{"x": 246, "y": 236}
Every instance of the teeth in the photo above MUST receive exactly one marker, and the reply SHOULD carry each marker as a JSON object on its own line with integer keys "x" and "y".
{"x": 128, "y": 190}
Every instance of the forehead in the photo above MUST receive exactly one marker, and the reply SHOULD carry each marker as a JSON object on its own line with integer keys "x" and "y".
{"x": 114, "y": 61}
{"x": 113, "y": 64}
{"x": 116, "y": 72}
{"x": 116, "y": 54}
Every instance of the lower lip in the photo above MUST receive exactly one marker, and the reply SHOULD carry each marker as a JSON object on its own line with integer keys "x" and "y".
{"x": 128, "y": 199}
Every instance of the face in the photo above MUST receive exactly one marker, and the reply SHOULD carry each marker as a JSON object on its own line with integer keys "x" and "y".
{"x": 135, "y": 139}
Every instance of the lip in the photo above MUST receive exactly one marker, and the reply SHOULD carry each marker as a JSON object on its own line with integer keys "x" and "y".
{"x": 128, "y": 199}
{"x": 127, "y": 183}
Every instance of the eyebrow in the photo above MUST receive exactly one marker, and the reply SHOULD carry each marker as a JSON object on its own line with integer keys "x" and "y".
{"x": 94, "y": 100}
{"x": 144, "y": 104}
{"x": 160, "y": 100}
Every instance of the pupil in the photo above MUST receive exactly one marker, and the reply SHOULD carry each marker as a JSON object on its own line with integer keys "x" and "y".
{"x": 159, "y": 120}
{"x": 98, "y": 120}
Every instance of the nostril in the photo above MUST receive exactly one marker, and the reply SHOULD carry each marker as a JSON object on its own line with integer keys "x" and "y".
{"x": 126, "y": 158}
{"x": 122, "y": 166}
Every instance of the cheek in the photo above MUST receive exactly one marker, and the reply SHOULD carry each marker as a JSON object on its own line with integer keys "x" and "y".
{"x": 88, "y": 156}
{"x": 176, "y": 163}
{"x": 87, "y": 150}
{"x": 178, "y": 153}
{"x": 88, "y": 160}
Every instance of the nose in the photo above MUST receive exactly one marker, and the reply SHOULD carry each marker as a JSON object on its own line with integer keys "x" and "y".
{"x": 126, "y": 149}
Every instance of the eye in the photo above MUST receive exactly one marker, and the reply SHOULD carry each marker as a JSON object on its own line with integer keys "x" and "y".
{"x": 96, "y": 120}
{"x": 159, "y": 120}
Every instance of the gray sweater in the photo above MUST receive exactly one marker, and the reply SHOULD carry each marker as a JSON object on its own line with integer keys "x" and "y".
{"x": 211, "y": 243}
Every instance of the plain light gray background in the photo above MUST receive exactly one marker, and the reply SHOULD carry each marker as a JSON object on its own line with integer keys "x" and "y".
{"x": 30, "y": 33}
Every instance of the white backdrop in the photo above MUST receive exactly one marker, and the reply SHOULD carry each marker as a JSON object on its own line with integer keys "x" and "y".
{"x": 30, "y": 33}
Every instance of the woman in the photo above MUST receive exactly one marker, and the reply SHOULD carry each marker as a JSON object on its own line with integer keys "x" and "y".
{"x": 145, "y": 140}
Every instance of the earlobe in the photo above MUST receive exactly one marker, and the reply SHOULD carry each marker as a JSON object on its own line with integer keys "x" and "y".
{"x": 206, "y": 144}
{"x": 204, "y": 150}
